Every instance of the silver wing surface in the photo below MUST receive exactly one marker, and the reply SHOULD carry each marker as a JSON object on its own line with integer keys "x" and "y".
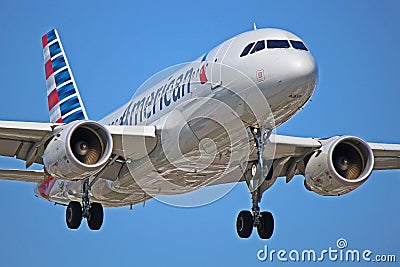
{"x": 290, "y": 153}
{"x": 27, "y": 140}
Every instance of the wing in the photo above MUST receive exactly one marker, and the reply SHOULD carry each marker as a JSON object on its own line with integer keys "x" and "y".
{"x": 23, "y": 175}
{"x": 387, "y": 156}
{"x": 26, "y": 141}
{"x": 23, "y": 139}
{"x": 290, "y": 153}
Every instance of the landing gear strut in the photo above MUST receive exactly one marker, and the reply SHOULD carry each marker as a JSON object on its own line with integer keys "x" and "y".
{"x": 263, "y": 221}
{"x": 93, "y": 212}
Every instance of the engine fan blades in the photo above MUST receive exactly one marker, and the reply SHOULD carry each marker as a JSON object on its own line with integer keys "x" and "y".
{"x": 92, "y": 156}
{"x": 347, "y": 161}
{"x": 353, "y": 172}
{"x": 81, "y": 148}
{"x": 86, "y": 146}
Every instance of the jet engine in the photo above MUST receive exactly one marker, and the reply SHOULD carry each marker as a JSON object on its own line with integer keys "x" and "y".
{"x": 79, "y": 150}
{"x": 341, "y": 165}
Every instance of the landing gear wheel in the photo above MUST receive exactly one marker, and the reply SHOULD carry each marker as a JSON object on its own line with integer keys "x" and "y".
{"x": 244, "y": 224}
{"x": 73, "y": 215}
{"x": 265, "y": 227}
{"x": 95, "y": 219}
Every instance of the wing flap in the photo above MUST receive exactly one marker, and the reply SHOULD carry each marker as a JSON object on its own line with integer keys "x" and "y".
{"x": 10, "y": 148}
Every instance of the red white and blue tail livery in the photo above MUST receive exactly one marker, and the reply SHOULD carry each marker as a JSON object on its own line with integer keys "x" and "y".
{"x": 65, "y": 103}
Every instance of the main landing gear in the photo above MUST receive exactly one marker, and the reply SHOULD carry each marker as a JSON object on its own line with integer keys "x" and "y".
{"x": 263, "y": 221}
{"x": 93, "y": 212}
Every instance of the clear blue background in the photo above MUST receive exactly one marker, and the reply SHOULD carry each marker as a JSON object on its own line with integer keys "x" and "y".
{"x": 114, "y": 46}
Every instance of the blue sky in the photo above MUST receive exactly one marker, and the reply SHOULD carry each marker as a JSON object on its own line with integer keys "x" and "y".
{"x": 115, "y": 46}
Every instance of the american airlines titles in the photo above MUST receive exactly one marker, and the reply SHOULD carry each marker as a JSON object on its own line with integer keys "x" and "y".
{"x": 140, "y": 110}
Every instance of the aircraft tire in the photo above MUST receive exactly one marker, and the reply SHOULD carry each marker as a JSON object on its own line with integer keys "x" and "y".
{"x": 73, "y": 215}
{"x": 95, "y": 219}
{"x": 265, "y": 228}
{"x": 244, "y": 224}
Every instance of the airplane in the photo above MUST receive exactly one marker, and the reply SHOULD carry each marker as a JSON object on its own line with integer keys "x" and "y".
{"x": 209, "y": 122}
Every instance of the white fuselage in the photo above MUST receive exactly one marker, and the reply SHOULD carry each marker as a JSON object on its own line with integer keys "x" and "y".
{"x": 202, "y": 111}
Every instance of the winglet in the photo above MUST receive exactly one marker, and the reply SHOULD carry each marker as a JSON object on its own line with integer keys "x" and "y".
{"x": 65, "y": 103}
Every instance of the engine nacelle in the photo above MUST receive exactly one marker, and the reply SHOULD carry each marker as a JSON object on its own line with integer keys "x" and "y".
{"x": 79, "y": 150}
{"x": 341, "y": 165}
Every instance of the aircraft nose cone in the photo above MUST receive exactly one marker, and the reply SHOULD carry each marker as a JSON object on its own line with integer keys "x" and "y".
{"x": 302, "y": 65}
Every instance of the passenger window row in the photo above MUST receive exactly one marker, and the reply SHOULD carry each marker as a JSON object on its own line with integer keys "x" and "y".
{"x": 272, "y": 44}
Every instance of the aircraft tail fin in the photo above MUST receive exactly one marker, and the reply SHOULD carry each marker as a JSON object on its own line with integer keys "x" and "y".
{"x": 64, "y": 100}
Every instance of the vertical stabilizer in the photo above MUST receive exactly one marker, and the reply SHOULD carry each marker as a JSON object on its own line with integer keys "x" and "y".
{"x": 65, "y": 103}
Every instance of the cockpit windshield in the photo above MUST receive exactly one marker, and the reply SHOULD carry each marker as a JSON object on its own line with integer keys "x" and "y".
{"x": 260, "y": 45}
{"x": 298, "y": 45}
{"x": 246, "y": 50}
{"x": 278, "y": 44}
{"x": 254, "y": 47}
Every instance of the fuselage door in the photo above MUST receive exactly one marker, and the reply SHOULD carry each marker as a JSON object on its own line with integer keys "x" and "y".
{"x": 217, "y": 64}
